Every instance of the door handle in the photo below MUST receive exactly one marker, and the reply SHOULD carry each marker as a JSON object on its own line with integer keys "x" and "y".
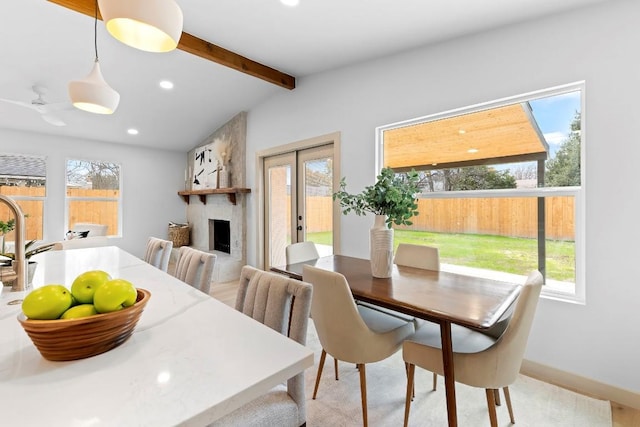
{"x": 299, "y": 228}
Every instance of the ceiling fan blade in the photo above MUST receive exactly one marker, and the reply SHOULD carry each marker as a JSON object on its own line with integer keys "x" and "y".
{"x": 20, "y": 103}
{"x": 53, "y": 120}
{"x": 56, "y": 106}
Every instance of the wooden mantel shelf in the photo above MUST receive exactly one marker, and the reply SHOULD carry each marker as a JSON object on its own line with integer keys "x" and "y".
{"x": 202, "y": 194}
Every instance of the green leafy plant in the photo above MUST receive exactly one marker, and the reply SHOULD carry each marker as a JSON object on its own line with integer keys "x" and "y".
{"x": 392, "y": 195}
{"x": 8, "y": 226}
{"x": 28, "y": 253}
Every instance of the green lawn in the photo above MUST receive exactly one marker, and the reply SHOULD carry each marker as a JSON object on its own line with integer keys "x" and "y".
{"x": 508, "y": 254}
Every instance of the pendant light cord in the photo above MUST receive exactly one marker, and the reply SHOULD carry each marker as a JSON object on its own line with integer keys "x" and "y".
{"x": 95, "y": 31}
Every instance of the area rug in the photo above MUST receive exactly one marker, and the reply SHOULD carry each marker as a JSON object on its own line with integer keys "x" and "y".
{"x": 535, "y": 403}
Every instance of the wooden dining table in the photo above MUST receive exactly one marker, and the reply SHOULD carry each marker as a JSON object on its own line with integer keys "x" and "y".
{"x": 437, "y": 296}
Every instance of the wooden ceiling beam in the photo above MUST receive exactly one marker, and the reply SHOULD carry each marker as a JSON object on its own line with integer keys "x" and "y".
{"x": 202, "y": 48}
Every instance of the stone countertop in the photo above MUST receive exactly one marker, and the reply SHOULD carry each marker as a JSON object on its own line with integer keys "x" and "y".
{"x": 190, "y": 360}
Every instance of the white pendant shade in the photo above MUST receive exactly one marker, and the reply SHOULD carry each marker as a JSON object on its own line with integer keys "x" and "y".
{"x": 149, "y": 25}
{"x": 93, "y": 94}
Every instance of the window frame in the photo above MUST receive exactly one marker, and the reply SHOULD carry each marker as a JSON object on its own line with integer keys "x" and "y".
{"x": 69, "y": 199}
{"x": 579, "y": 295}
{"x": 41, "y": 199}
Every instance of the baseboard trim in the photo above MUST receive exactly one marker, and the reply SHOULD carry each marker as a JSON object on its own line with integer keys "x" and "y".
{"x": 580, "y": 384}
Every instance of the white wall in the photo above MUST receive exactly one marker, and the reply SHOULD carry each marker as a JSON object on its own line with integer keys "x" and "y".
{"x": 150, "y": 182}
{"x": 598, "y": 44}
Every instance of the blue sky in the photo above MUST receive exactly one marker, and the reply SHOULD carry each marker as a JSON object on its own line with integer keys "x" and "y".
{"x": 554, "y": 115}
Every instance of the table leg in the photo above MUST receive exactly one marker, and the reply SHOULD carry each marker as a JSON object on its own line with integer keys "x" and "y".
{"x": 449, "y": 378}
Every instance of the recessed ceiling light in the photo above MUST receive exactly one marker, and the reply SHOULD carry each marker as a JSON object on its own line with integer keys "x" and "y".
{"x": 166, "y": 84}
{"x": 132, "y": 131}
{"x": 290, "y": 2}
{"x": 472, "y": 150}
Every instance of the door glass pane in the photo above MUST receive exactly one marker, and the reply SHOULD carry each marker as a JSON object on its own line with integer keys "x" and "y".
{"x": 318, "y": 204}
{"x": 279, "y": 214}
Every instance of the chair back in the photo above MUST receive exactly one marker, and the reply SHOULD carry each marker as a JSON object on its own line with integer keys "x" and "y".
{"x": 284, "y": 305}
{"x": 300, "y": 252}
{"x": 195, "y": 268}
{"x": 93, "y": 229}
{"x": 417, "y": 256}
{"x": 501, "y": 362}
{"x": 341, "y": 330}
{"x": 86, "y": 242}
{"x": 158, "y": 252}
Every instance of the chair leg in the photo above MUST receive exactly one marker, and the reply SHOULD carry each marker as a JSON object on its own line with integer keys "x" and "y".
{"x": 363, "y": 393}
{"x": 491, "y": 404}
{"x": 496, "y": 393}
{"x": 406, "y": 370}
{"x": 435, "y": 381}
{"x": 411, "y": 368}
{"x": 319, "y": 374}
{"x": 335, "y": 367}
{"x": 507, "y": 398}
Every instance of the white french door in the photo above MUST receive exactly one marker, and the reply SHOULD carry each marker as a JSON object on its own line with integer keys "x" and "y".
{"x": 298, "y": 201}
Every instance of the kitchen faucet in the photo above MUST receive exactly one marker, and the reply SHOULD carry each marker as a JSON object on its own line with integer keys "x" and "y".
{"x": 19, "y": 264}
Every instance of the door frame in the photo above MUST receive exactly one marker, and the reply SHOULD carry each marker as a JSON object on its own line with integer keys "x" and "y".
{"x": 331, "y": 138}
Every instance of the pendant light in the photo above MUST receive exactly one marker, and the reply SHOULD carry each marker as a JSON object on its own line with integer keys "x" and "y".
{"x": 92, "y": 93}
{"x": 149, "y": 25}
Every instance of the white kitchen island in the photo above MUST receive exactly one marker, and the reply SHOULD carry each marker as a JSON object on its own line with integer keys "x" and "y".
{"x": 190, "y": 360}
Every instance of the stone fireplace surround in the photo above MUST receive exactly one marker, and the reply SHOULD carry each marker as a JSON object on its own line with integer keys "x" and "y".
{"x": 219, "y": 207}
{"x": 227, "y": 266}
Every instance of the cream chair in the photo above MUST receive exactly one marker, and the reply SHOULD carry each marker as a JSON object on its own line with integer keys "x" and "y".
{"x": 158, "y": 252}
{"x": 284, "y": 305}
{"x": 479, "y": 359}
{"x": 195, "y": 268}
{"x": 87, "y": 242}
{"x": 93, "y": 229}
{"x": 349, "y": 332}
{"x": 300, "y": 252}
{"x": 417, "y": 256}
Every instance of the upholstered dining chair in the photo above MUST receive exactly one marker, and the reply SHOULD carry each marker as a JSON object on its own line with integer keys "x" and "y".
{"x": 87, "y": 242}
{"x": 479, "y": 359}
{"x": 93, "y": 229}
{"x": 195, "y": 268}
{"x": 300, "y": 252}
{"x": 418, "y": 256}
{"x": 284, "y": 305}
{"x": 349, "y": 332}
{"x": 158, "y": 252}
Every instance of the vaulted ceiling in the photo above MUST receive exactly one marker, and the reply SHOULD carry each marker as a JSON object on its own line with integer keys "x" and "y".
{"x": 46, "y": 45}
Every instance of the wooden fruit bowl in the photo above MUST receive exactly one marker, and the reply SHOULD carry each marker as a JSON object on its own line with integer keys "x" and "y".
{"x": 72, "y": 339}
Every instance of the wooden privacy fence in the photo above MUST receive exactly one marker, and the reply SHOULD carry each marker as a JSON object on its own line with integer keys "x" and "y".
{"x": 513, "y": 217}
{"x": 93, "y": 211}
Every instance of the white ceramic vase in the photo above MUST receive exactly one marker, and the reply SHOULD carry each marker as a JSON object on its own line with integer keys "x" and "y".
{"x": 381, "y": 248}
{"x": 224, "y": 180}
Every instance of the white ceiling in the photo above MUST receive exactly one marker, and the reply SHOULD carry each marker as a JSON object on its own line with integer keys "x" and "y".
{"x": 48, "y": 45}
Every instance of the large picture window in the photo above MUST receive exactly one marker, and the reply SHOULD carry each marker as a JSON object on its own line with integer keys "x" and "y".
{"x": 93, "y": 194}
{"x": 501, "y": 186}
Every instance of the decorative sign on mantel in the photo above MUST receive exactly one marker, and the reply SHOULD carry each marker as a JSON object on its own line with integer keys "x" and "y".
{"x": 211, "y": 165}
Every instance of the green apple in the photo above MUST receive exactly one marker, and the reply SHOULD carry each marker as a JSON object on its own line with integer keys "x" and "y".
{"x": 82, "y": 310}
{"x": 114, "y": 295}
{"x": 85, "y": 285}
{"x": 47, "y": 302}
